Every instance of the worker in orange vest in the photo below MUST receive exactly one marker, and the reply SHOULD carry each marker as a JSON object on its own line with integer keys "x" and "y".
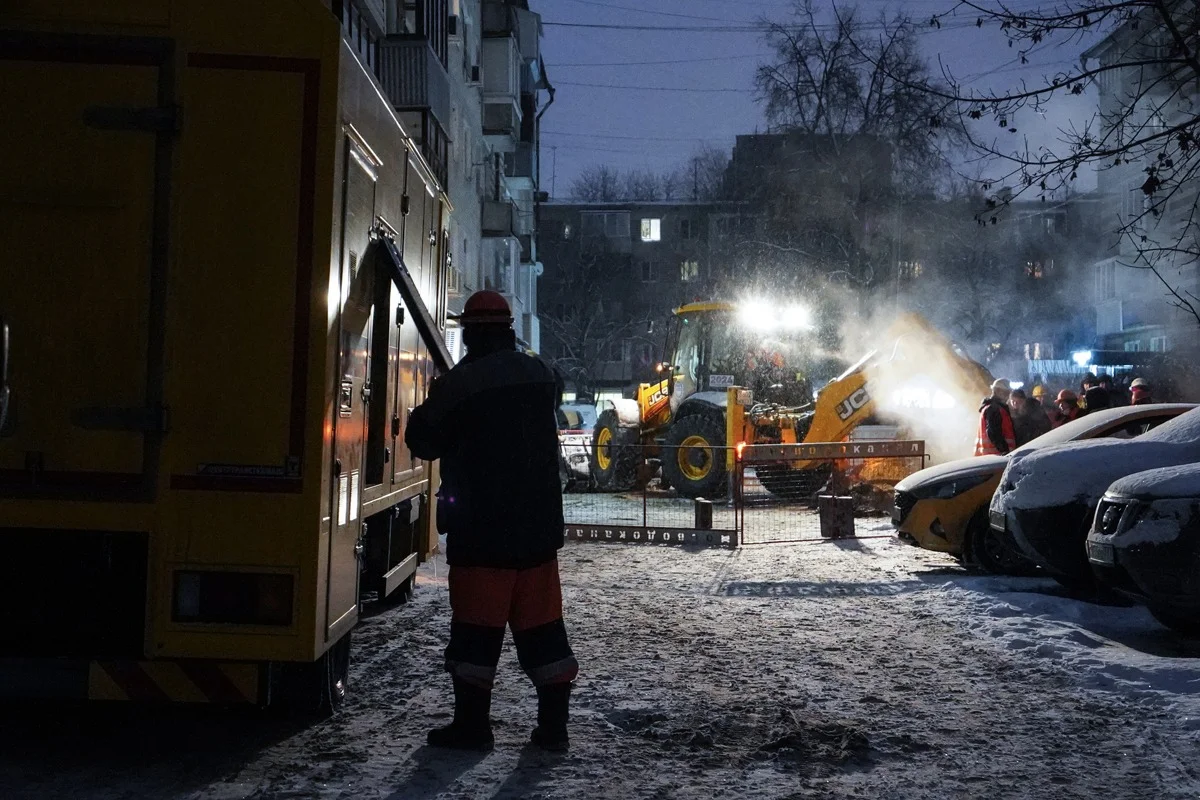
{"x": 996, "y": 433}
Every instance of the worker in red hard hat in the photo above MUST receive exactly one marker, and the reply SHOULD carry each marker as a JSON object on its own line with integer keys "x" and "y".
{"x": 1140, "y": 391}
{"x": 1067, "y": 407}
{"x": 491, "y": 420}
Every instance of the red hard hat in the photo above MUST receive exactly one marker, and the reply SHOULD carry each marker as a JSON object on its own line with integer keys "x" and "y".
{"x": 485, "y": 308}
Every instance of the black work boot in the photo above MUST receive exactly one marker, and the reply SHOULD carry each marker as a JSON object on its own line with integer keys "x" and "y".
{"x": 551, "y": 730}
{"x": 472, "y": 726}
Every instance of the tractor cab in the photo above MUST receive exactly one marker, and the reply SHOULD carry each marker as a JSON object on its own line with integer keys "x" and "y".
{"x": 713, "y": 346}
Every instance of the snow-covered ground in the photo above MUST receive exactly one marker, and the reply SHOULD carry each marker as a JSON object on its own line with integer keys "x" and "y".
{"x": 862, "y": 669}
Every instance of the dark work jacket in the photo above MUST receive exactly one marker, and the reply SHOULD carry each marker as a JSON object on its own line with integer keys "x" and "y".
{"x": 1031, "y": 422}
{"x": 491, "y": 421}
{"x": 1096, "y": 399}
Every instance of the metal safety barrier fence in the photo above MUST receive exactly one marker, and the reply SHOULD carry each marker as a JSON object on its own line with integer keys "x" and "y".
{"x": 760, "y": 494}
{"x": 653, "y": 512}
{"x": 779, "y": 487}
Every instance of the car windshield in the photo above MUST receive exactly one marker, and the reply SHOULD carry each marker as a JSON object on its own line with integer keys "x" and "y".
{"x": 1081, "y": 428}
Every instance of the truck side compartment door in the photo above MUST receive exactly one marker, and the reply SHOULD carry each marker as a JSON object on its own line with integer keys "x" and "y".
{"x": 353, "y": 390}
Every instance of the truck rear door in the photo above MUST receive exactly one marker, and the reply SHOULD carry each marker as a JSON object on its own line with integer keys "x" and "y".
{"x": 83, "y": 220}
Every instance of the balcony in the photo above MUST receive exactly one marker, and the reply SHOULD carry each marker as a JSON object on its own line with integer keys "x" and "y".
{"x": 499, "y": 18}
{"x": 501, "y": 92}
{"x": 521, "y": 163}
{"x": 414, "y": 77}
{"x": 498, "y": 218}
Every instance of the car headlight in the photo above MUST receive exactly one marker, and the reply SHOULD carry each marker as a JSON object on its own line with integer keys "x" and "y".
{"x": 944, "y": 490}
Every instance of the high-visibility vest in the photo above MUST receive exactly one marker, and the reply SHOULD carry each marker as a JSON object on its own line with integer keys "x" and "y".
{"x": 983, "y": 444}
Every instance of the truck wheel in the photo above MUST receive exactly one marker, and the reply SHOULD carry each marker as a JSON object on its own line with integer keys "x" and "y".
{"x": 615, "y": 454}
{"x": 693, "y": 457}
{"x": 793, "y": 484}
{"x": 318, "y": 687}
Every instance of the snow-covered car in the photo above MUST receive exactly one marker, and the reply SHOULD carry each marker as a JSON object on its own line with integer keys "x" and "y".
{"x": 1145, "y": 543}
{"x": 1047, "y": 498}
{"x": 575, "y": 424}
{"x": 945, "y": 507}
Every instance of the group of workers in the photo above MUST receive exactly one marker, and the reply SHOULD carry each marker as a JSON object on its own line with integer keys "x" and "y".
{"x": 1009, "y": 418}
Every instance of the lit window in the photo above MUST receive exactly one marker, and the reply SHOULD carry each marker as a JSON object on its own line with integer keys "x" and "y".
{"x": 652, "y": 230}
{"x": 1033, "y": 269}
{"x": 689, "y": 271}
{"x": 911, "y": 270}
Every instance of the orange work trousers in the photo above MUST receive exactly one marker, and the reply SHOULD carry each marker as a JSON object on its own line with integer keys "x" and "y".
{"x": 485, "y": 600}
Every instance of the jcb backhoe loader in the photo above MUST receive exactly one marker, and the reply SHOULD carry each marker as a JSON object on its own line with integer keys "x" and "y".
{"x": 738, "y": 375}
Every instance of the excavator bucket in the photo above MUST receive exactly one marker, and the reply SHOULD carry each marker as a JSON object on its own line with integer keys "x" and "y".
{"x": 913, "y": 378}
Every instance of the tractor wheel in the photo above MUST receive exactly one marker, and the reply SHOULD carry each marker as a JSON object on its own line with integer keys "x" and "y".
{"x": 616, "y": 454}
{"x": 693, "y": 457}
{"x": 794, "y": 484}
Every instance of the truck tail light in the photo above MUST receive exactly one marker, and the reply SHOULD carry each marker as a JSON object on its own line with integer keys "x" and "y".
{"x": 232, "y": 598}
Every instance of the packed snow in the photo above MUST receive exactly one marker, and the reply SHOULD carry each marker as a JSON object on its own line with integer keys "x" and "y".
{"x": 1084, "y": 470}
{"x": 858, "y": 668}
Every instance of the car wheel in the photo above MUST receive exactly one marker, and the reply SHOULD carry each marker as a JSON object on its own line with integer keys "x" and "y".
{"x": 991, "y": 551}
{"x": 1178, "y": 621}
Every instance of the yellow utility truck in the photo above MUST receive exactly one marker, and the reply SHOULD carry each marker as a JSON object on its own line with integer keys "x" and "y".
{"x": 222, "y": 290}
{"x": 749, "y": 374}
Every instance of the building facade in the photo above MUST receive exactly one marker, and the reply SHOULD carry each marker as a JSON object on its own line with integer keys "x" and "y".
{"x": 1134, "y": 308}
{"x": 468, "y": 84}
{"x": 613, "y": 274}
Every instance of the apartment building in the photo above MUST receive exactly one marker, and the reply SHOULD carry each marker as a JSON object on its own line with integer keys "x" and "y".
{"x": 469, "y": 85}
{"x": 613, "y": 274}
{"x": 1134, "y": 308}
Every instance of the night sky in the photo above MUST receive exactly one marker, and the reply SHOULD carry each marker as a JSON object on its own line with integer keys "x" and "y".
{"x": 707, "y": 95}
